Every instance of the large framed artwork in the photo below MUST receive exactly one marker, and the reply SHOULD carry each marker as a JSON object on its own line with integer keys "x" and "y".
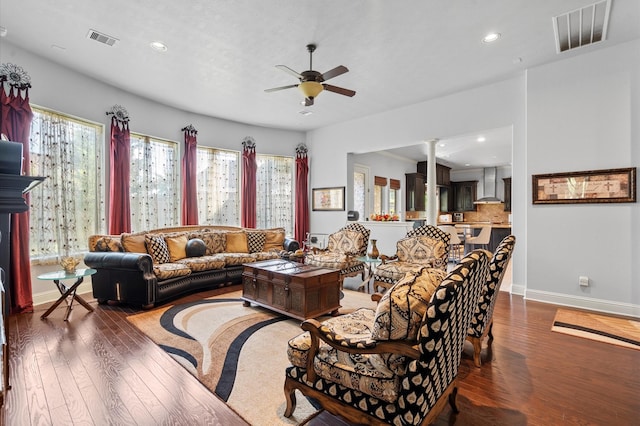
{"x": 592, "y": 186}
{"x": 328, "y": 199}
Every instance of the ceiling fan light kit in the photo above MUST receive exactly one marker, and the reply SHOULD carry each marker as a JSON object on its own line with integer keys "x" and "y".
{"x": 312, "y": 82}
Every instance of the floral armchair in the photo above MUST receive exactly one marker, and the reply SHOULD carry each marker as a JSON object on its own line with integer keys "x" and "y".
{"x": 397, "y": 364}
{"x": 426, "y": 246}
{"x": 342, "y": 252}
{"x": 482, "y": 320}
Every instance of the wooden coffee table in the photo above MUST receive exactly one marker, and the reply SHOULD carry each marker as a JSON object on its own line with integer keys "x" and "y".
{"x": 291, "y": 288}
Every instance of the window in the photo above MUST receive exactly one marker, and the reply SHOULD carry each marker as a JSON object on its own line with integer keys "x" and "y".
{"x": 379, "y": 195}
{"x": 154, "y": 190}
{"x": 218, "y": 187}
{"x": 274, "y": 192}
{"x": 394, "y": 196}
{"x": 360, "y": 190}
{"x": 68, "y": 206}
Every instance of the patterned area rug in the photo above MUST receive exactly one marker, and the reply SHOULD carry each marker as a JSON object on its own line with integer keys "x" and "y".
{"x": 602, "y": 328}
{"x": 237, "y": 352}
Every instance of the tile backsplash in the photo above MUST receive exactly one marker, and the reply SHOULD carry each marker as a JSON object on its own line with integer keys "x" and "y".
{"x": 485, "y": 213}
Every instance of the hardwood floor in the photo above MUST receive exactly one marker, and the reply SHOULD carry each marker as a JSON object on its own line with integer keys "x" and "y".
{"x": 98, "y": 369}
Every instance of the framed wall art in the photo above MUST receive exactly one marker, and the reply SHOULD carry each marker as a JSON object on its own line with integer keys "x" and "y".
{"x": 328, "y": 199}
{"x": 593, "y": 186}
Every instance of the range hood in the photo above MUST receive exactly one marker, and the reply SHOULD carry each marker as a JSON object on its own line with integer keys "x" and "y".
{"x": 489, "y": 185}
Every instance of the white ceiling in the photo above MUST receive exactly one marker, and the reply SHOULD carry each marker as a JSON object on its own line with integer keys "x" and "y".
{"x": 222, "y": 53}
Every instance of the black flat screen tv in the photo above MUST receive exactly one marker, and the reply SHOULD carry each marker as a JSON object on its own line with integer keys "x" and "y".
{"x": 10, "y": 157}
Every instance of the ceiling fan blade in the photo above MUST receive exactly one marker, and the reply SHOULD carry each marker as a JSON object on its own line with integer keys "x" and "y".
{"x": 308, "y": 101}
{"x": 339, "y": 70}
{"x": 339, "y": 90}
{"x": 275, "y": 89}
{"x": 289, "y": 71}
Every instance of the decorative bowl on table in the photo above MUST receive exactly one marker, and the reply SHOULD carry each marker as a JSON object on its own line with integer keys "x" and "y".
{"x": 69, "y": 264}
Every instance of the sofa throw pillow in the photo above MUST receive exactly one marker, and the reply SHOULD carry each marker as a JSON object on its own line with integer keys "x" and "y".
{"x": 255, "y": 241}
{"x": 237, "y": 242}
{"x": 134, "y": 243}
{"x": 177, "y": 246}
{"x": 346, "y": 241}
{"x": 107, "y": 244}
{"x": 274, "y": 239}
{"x": 400, "y": 311}
{"x": 157, "y": 248}
{"x": 215, "y": 241}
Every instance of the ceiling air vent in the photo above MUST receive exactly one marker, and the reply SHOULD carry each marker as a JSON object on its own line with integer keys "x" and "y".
{"x": 102, "y": 38}
{"x": 582, "y": 27}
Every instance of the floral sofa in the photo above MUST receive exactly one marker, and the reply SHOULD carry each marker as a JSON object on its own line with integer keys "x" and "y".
{"x": 151, "y": 267}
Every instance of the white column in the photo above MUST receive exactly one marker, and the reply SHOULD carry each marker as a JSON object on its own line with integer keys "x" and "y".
{"x": 432, "y": 200}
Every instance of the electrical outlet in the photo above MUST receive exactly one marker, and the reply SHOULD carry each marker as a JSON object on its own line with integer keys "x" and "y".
{"x": 584, "y": 281}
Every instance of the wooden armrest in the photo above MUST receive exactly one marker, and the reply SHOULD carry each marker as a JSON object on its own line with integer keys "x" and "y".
{"x": 387, "y": 259}
{"x": 375, "y": 297}
{"x": 409, "y": 349}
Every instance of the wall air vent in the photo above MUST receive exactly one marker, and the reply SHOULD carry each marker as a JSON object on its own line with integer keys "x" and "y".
{"x": 102, "y": 38}
{"x": 582, "y": 27}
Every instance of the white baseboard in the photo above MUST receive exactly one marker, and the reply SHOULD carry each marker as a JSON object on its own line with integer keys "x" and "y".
{"x": 607, "y": 306}
{"x": 53, "y": 295}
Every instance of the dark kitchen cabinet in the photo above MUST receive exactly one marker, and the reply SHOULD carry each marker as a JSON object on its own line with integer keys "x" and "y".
{"x": 507, "y": 194}
{"x": 497, "y": 235}
{"x": 415, "y": 192}
{"x": 464, "y": 195}
{"x": 442, "y": 173}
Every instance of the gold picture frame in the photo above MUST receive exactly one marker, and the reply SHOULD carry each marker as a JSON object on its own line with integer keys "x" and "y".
{"x": 328, "y": 199}
{"x": 592, "y": 186}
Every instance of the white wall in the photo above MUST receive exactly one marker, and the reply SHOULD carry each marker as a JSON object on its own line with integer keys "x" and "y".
{"x": 582, "y": 114}
{"x": 70, "y": 92}
{"x": 496, "y": 105}
{"x": 577, "y": 114}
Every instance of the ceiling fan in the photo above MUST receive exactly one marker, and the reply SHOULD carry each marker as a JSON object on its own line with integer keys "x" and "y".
{"x": 312, "y": 82}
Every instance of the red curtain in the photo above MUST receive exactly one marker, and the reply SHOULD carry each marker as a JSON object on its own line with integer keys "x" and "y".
{"x": 16, "y": 115}
{"x": 189, "y": 172}
{"x": 302, "y": 195}
{"x": 119, "y": 204}
{"x": 249, "y": 168}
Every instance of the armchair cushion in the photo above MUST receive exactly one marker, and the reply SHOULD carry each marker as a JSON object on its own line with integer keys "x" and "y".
{"x": 346, "y": 241}
{"x": 420, "y": 249}
{"x": 353, "y": 329}
{"x": 331, "y": 260}
{"x": 400, "y": 312}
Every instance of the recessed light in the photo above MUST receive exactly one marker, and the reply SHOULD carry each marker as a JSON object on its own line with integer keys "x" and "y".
{"x": 306, "y": 112}
{"x": 3, "y": 32}
{"x": 481, "y": 139}
{"x": 158, "y": 46}
{"x": 442, "y": 145}
{"x": 467, "y": 165}
{"x": 491, "y": 37}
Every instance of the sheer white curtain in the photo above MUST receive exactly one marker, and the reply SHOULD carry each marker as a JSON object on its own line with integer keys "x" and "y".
{"x": 154, "y": 187}
{"x": 218, "y": 187}
{"x": 68, "y": 206}
{"x": 274, "y": 192}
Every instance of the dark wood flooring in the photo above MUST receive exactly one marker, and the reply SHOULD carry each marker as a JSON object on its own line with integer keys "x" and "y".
{"x": 97, "y": 369}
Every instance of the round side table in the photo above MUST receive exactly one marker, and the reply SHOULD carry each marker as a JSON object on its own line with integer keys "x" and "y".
{"x": 67, "y": 292}
{"x": 370, "y": 267}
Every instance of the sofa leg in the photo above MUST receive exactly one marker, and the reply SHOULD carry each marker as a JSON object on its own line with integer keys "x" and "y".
{"x": 147, "y": 307}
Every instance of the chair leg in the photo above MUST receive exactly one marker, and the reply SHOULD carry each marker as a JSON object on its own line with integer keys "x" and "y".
{"x": 490, "y": 332}
{"x": 452, "y": 400}
{"x": 290, "y": 396}
{"x": 477, "y": 348}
